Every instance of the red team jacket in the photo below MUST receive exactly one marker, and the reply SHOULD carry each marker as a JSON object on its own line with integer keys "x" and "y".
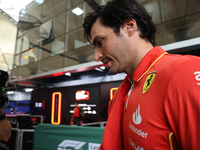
{"x": 160, "y": 109}
{"x": 76, "y": 112}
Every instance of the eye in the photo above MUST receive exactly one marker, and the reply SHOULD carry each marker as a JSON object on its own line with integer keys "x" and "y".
{"x": 99, "y": 43}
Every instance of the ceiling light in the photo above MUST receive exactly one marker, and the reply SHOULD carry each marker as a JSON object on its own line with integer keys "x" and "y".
{"x": 10, "y": 92}
{"x": 28, "y": 89}
{"x": 77, "y": 11}
{"x": 68, "y": 74}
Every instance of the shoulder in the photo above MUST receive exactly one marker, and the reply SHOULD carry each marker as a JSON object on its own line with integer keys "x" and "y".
{"x": 178, "y": 66}
{"x": 76, "y": 108}
{"x": 187, "y": 70}
{"x": 184, "y": 83}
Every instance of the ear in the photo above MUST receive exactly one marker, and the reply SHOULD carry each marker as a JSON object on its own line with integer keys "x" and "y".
{"x": 130, "y": 26}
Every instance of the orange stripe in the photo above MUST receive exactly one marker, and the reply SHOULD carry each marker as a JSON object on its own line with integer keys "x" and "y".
{"x": 170, "y": 140}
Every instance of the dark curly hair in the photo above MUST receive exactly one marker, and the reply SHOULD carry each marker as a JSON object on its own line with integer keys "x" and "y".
{"x": 115, "y": 12}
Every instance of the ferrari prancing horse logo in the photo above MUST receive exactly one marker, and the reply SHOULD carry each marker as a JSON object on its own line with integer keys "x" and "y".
{"x": 148, "y": 81}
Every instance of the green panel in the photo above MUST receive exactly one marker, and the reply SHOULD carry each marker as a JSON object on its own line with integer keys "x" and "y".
{"x": 65, "y": 137}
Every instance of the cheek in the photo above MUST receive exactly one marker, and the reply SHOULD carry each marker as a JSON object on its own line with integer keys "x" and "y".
{"x": 107, "y": 48}
{"x": 119, "y": 51}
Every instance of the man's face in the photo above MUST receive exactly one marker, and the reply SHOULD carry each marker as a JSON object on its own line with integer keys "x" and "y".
{"x": 110, "y": 48}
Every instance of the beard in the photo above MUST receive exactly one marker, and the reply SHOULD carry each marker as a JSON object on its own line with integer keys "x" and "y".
{"x": 114, "y": 68}
{"x": 117, "y": 56}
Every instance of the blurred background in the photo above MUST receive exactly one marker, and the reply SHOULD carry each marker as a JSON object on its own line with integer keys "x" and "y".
{"x": 42, "y": 46}
{"x": 51, "y": 67}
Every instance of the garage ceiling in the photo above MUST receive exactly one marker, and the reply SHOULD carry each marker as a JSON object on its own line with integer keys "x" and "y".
{"x": 176, "y": 20}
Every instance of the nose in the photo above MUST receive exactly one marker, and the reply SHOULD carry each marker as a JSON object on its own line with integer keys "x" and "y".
{"x": 98, "y": 55}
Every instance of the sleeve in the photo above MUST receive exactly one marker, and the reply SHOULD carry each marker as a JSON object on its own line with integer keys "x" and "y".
{"x": 182, "y": 104}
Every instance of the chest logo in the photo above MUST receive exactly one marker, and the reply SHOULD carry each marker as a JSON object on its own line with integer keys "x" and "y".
{"x": 148, "y": 82}
{"x": 137, "y": 118}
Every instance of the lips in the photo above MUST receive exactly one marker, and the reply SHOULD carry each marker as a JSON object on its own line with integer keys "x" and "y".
{"x": 106, "y": 61}
{"x": 107, "y": 65}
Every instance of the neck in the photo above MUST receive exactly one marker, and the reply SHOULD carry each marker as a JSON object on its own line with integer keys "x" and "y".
{"x": 139, "y": 51}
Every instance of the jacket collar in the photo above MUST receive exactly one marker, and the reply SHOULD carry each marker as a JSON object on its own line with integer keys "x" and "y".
{"x": 147, "y": 62}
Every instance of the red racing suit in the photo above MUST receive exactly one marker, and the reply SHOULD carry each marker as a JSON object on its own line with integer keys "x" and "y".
{"x": 160, "y": 109}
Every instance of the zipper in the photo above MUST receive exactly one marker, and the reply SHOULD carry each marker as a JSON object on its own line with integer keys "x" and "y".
{"x": 129, "y": 92}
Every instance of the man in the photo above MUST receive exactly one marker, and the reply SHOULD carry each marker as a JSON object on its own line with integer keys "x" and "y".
{"x": 5, "y": 127}
{"x": 157, "y": 105}
{"x": 76, "y": 115}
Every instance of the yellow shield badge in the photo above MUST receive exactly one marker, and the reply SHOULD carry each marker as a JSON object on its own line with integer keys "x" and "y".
{"x": 148, "y": 81}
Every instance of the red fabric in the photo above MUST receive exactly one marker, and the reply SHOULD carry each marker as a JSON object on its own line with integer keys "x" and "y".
{"x": 170, "y": 105}
{"x": 182, "y": 104}
{"x": 112, "y": 138}
{"x": 76, "y": 112}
